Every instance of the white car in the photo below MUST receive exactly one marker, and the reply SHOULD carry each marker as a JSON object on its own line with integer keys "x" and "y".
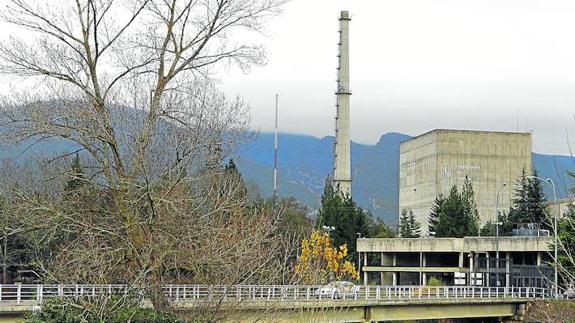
{"x": 340, "y": 289}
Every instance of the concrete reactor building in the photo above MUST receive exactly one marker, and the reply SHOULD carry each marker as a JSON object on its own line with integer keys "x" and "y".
{"x": 432, "y": 163}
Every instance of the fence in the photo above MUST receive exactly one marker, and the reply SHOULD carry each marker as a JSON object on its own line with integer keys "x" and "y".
{"x": 36, "y": 294}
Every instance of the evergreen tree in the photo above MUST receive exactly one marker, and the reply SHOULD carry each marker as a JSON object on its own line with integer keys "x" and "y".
{"x": 452, "y": 217}
{"x": 529, "y": 203}
{"x": 536, "y": 203}
{"x": 434, "y": 215}
{"x": 490, "y": 228}
{"x": 77, "y": 177}
{"x": 409, "y": 227}
{"x": 519, "y": 209}
{"x": 403, "y": 227}
{"x": 471, "y": 215}
{"x": 566, "y": 250}
{"x": 415, "y": 226}
{"x": 343, "y": 217}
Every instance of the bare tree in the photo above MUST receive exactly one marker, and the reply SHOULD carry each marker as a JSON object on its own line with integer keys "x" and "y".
{"x": 128, "y": 82}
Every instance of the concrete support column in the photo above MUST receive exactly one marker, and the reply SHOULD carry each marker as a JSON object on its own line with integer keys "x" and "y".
{"x": 487, "y": 275}
{"x": 461, "y": 259}
{"x": 386, "y": 261}
{"x": 507, "y": 269}
{"x": 471, "y": 266}
{"x": 365, "y": 265}
{"x": 394, "y": 264}
{"x": 538, "y": 258}
{"x": 423, "y": 273}
{"x": 381, "y": 263}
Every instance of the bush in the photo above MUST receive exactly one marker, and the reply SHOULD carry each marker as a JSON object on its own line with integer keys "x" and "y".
{"x": 434, "y": 282}
{"x": 113, "y": 310}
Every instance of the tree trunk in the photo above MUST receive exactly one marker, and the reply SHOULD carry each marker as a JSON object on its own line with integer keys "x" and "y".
{"x": 159, "y": 300}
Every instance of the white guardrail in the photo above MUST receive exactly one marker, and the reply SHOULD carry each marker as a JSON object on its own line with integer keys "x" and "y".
{"x": 36, "y": 294}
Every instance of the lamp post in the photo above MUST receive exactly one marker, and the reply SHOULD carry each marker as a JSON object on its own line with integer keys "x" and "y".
{"x": 358, "y": 255}
{"x": 550, "y": 182}
{"x": 497, "y": 232}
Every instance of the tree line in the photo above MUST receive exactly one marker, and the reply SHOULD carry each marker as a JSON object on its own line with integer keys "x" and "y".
{"x": 456, "y": 215}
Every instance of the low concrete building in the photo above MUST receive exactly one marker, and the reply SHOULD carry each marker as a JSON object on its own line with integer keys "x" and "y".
{"x": 466, "y": 261}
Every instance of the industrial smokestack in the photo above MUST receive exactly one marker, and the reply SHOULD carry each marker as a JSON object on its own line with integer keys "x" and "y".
{"x": 342, "y": 149}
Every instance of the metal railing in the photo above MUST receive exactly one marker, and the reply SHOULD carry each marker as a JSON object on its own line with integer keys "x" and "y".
{"x": 36, "y": 294}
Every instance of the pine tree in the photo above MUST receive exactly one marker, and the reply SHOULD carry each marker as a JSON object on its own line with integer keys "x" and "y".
{"x": 409, "y": 227}
{"x": 343, "y": 217}
{"x": 415, "y": 226}
{"x": 403, "y": 227}
{"x": 566, "y": 250}
{"x": 519, "y": 210}
{"x": 77, "y": 179}
{"x": 536, "y": 203}
{"x": 452, "y": 221}
{"x": 471, "y": 215}
{"x": 434, "y": 215}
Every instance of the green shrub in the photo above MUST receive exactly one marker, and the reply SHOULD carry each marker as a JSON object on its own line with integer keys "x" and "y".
{"x": 434, "y": 282}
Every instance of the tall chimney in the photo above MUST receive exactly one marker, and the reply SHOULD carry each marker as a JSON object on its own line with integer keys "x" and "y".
{"x": 342, "y": 149}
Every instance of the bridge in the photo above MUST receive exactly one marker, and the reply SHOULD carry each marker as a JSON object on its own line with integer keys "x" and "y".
{"x": 304, "y": 303}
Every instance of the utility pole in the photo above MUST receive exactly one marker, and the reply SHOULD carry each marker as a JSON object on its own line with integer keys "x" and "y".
{"x": 275, "y": 186}
{"x": 497, "y": 235}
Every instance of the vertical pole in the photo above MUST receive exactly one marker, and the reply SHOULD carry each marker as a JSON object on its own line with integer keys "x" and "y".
{"x": 508, "y": 269}
{"x": 365, "y": 272}
{"x": 555, "y": 228}
{"x": 497, "y": 234}
{"x": 276, "y": 152}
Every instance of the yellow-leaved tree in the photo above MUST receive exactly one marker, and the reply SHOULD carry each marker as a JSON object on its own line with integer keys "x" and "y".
{"x": 319, "y": 262}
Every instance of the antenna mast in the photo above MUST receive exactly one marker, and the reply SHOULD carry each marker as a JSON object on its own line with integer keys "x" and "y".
{"x": 276, "y": 152}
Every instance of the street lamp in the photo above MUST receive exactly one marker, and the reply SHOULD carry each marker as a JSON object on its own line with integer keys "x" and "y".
{"x": 358, "y": 254}
{"x": 550, "y": 182}
{"x": 497, "y": 232}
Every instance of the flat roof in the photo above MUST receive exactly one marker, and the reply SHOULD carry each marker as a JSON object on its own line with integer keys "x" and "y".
{"x": 468, "y": 244}
{"x": 467, "y": 131}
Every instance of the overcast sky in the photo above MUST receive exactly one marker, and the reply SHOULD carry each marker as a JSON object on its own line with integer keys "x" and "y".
{"x": 417, "y": 65}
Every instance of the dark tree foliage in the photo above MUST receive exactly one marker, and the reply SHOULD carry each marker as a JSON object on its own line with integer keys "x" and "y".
{"x": 409, "y": 227}
{"x": 343, "y": 218}
{"x": 77, "y": 177}
{"x": 536, "y": 203}
{"x": 379, "y": 229}
{"x": 529, "y": 203}
{"x": 470, "y": 208}
{"x": 490, "y": 228}
{"x": 458, "y": 215}
{"x": 566, "y": 250}
{"x": 434, "y": 215}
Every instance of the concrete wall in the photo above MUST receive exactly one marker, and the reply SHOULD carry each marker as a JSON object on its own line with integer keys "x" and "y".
{"x": 434, "y": 162}
{"x": 470, "y": 244}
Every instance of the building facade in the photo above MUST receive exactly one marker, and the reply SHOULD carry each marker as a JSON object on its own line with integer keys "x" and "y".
{"x": 471, "y": 261}
{"x": 434, "y": 162}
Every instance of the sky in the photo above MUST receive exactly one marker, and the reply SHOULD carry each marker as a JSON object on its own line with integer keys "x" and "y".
{"x": 417, "y": 65}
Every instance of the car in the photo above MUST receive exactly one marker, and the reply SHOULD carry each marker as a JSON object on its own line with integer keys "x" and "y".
{"x": 338, "y": 290}
{"x": 569, "y": 293}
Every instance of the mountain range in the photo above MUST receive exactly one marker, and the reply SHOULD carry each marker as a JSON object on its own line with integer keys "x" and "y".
{"x": 304, "y": 162}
